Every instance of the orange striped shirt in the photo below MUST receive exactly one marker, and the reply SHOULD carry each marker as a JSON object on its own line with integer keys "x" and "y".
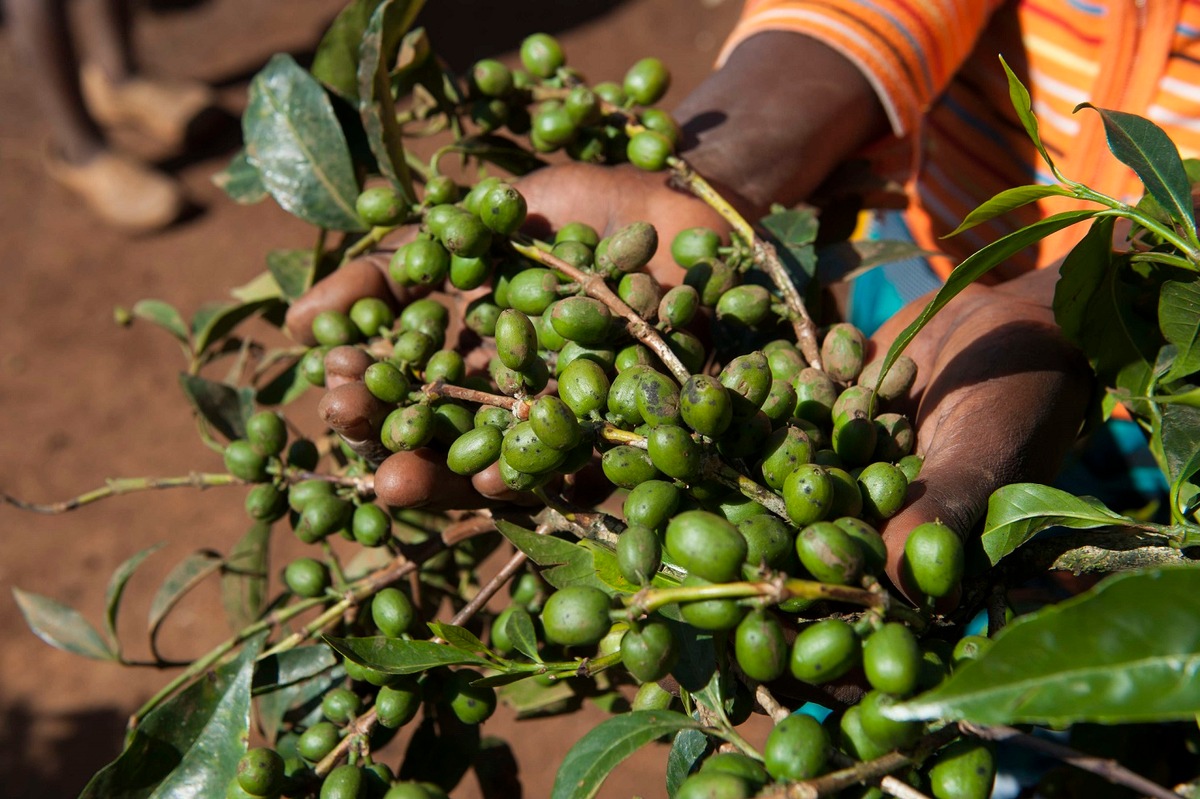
{"x": 935, "y": 67}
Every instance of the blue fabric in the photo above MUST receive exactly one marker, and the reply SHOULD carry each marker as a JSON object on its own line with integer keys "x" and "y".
{"x": 876, "y": 295}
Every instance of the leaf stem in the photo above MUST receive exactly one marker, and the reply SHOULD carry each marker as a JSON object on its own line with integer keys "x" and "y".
{"x": 764, "y": 256}
{"x": 595, "y": 287}
{"x": 116, "y": 486}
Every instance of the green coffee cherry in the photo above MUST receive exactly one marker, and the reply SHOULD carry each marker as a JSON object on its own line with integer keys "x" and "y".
{"x": 797, "y": 748}
{"x": 576, "y": 616}
{"x": 582, "y": 319}
{"x": 847, "y": 497}
{"x": 882, "y": 730}
{"x": 780, "y": 403}
{"x": 393, "y": 612}
{"x": 892, "y": 659}
{"x": 627, "y": 467}
{"x": 491, "y": 78}
{"x": 344, "y": 782}
{"x": 440, "y": 190}
{"x": 380, "y": 206}
{"x": 300, "y": 494}
{"x": 639, "y": 554}
{"x": 265, "y": 502}
{"x": 641, "y": 292}
{"x": 334, "y": 328}
{"x": 693, "y": 245}
{"x": 532, "y": 290}
{"x": 824, "y": 651}
{"x": 899, "y": 379}
{"x": 651, "y": 504}
{"x": 398, "y": 702}
{"x": 673, "y": 452}
{"x": 970, "y": 647}
{"x": 503, "y": 209}
{"x": 516, "y": 339}
{"x": 266, "y": 432}
{"x": 317, "y": 741}
{"x": 322, "y": 516}
{"x": 312, "y": 365}
{"x": 705, "y": 405}
{"x": 934, "y": 559}
{"x": 472, "y": 704}
{"x": 768, "y": 540}
{"x": 679, "y": 305}
{"x": 584, "y": 387}
{"x": 650, "y": 651}
{"x": 854, "y": 439}
{"x": 306, "y": 577}
{"x": 842, "y": 352}
{"x": 760, "y": 646}
{"x": 963, "y": 770}
{"x": 649, "y": 150}
{"x": 748, "y": 378}
{"x": 869, "y": 541}
{"x": 815, "y": 394}
{"x": 705, "y": 545}
{"x": 427, "y": 262}
{"x": 714, "y": 785}
{"x": 407, "y": 428}
{"x": 884, "y": 488}
{"x": 785, "y": 450}
{"x": 371, "y": 525}
{"x": 657, "y": 398}
{"x": 244, "y": 462}
{"x": 260, "y": 772}
{"x": 854, "y": 741}
{"x": 647, "y": 81}
{"x": 808, "y": 494}
{"x": 662, "y": 122}
{"x": 580, "y": 232}
{"x": 340, "y": 705}
{"x": 711, "y": 279}
{"x": 629, "y": 249}
{"x": 829, "y": 554}
{"x": 371, "y": 315}
{"x": 542, "y": 55}
{"x": 747, "y": 305}
{"x": 710, "y": 614}
{"x": 651, "y": 696}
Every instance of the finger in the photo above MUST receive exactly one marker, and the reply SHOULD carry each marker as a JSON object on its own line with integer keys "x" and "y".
{"x": 355, "y": 414}
{"x": 345, "y": 364}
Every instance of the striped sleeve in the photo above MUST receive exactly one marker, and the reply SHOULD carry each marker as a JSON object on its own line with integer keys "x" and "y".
{"x": 908, "y": 49}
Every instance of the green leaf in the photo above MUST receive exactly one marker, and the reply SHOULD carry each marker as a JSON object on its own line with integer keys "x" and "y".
{"x": 163, "y": 315}
{"x": 459, "y": 637}
{"x": 1125, "y": 652}
{"x": 529, "y": 698}
{"x": 522, "y": 634}
{"x": 187, "y": 574}
{"x": 1023, "y": 105}
{"x": 116, "y": 588}
{"x": 293, "y": 270}
{"x": 336, "y": 61}
{"x": 396, "y": 656}
{"x": 188, "y": 747}
{"x": 572, "y": 564}
{"x": 1180, "y": 435}
{"x": 1179, "y": 320}
{"x": 976, "y": 266}
{"x": 598, "y": 752}
{"x": 223, "y": 407}
{"x": 793, "y": 232}
{"x": 62, "y": 627}
{"x": 297, "y": 698}
{"x": 260, "y": 288}
{"x": 292, "y": 666}
{"x": 1146, "y": 149}
{"x": 1006, "y": 201}
{"x": 1018, "y": 512}
{"x": 686, "y": 750}
{"x": 293, "y": 137}
{"x": 376, "y": 52}
{"x": 244, "y": 578}
{"x": 213, "y": 321}
{"x": 241, "y": 181}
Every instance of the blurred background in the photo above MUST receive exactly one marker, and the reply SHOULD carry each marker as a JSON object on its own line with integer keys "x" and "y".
{"x": 84, "y": 399}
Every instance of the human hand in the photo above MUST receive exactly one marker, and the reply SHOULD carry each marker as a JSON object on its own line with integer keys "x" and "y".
{"x": 606, "y": 198}
{"x": 999, "y": 398}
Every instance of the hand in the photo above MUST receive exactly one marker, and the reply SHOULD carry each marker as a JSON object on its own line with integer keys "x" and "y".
{"x": 605, "y": 198}
{"x": 999, "y": 398}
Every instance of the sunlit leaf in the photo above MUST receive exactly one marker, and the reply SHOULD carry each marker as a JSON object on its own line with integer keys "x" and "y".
{"x": 164, "y": 315}
{"x": 1180, "y": 437}
{"x": 458, "y": 637}
{"x": 529, "y": 698}
{"x": 293, "y": 138}
{"x": 1018, "y": 512}
{"x": 62, "y": 627}
{"x": 572, "y": 564}
{"x": 1146, "y": 149}
{"x": 520, "y": 630}
{"x": 1127, "y": 651}
{"x": 1006, "y": 201}
{"x": 292, "y": 666}
{"x": 261, "y": 287}
{"x": 241, "y": 181}
{"x": 189, "y": 746}
{"x": 603, "y": 748}
{"x": 976, "y": 266}
{"x": 397, "y": 656}
{"x": 116, "y": 589}
{"x": 214, "y": 321}
{"x": 1023, "y": 105}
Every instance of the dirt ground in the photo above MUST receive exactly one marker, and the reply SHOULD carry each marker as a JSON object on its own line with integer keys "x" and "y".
{"x": 84, "y": 399}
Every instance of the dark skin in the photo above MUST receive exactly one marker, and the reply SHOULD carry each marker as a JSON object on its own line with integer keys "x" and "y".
{"x": 1000, "y": 394}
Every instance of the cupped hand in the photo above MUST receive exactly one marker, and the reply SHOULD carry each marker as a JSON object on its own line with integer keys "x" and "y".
{"x": 606, "y": 198}
{"x": 999, "y": 398}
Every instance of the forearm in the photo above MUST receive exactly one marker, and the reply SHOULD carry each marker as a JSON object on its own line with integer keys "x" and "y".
{"x": 783, "y": 111}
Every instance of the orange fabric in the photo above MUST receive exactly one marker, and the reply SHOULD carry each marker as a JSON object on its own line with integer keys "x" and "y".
{"x": 935, "y": 67}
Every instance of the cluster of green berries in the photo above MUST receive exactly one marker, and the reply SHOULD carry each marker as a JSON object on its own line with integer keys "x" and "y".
{"x": 554, "y": 106}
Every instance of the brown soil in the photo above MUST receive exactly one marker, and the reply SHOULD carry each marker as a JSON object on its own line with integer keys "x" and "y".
{"x": 85, "y": 400}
